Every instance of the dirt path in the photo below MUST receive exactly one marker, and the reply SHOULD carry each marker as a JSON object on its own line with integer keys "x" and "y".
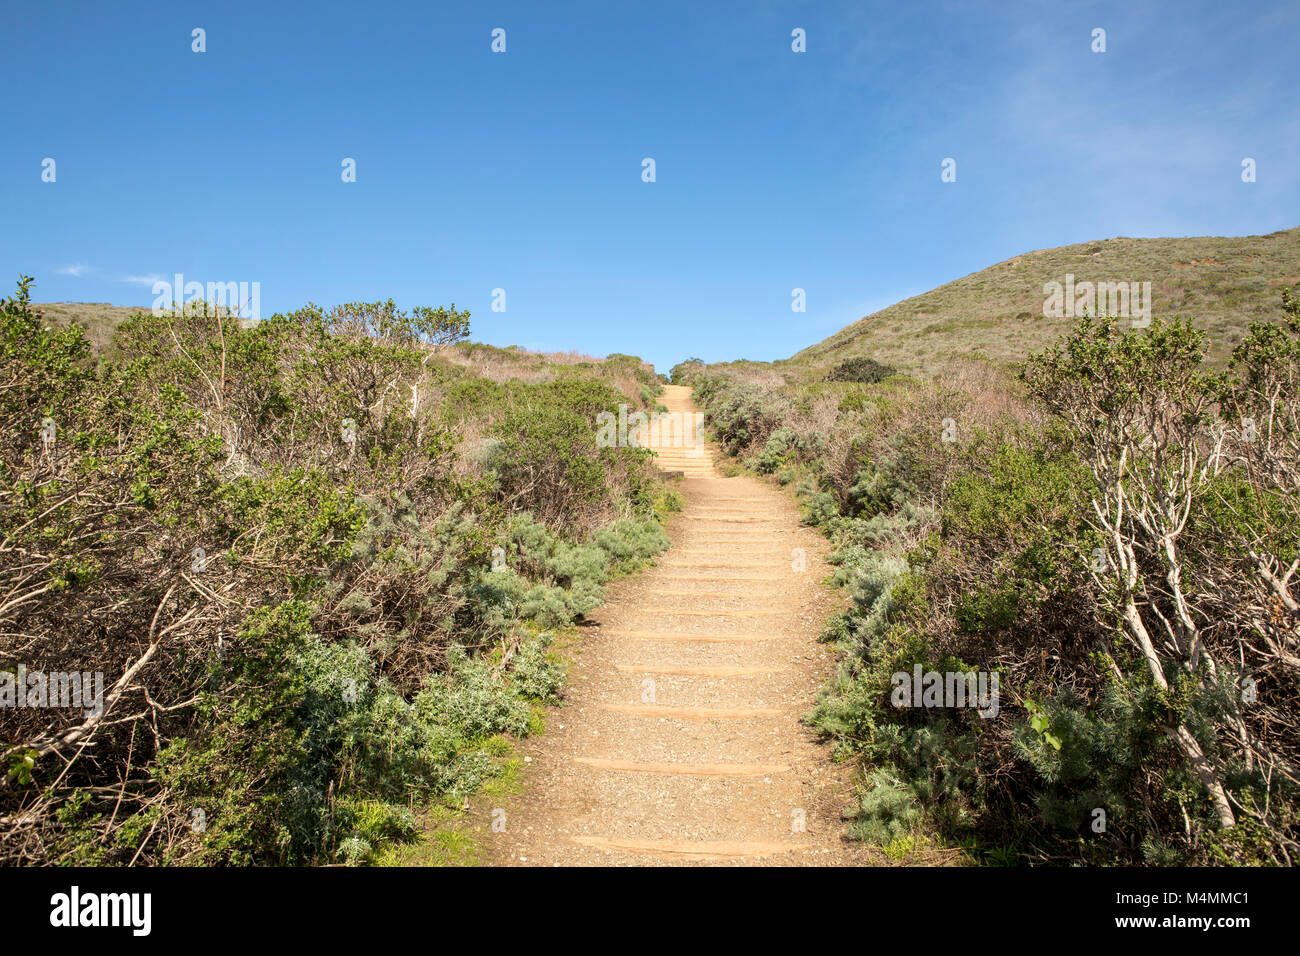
{"x": 680, "y": 739}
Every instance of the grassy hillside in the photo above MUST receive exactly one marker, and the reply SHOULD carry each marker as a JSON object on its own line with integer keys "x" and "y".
{"x": 1041, "y": 529}
{"x": 1224, "y": 283}
{"x": 995, "y": 518}
{"x": 99, "y": 319}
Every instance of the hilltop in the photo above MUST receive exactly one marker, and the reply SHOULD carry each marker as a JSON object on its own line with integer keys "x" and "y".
{"x": 1222, "y": 283}
{"x": 99, "y": 319}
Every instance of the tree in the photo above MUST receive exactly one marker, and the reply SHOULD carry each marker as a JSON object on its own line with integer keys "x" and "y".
{"x": 423, "y": 328}
{"x": 1141, "y": 405}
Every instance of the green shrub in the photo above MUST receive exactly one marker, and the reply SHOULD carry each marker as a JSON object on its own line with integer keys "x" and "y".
{"x": 859, "y": 369}
{"x": 321, "y": 640}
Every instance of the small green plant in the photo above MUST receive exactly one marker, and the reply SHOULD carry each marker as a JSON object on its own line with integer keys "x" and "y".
{"x": 1042, "y": 724}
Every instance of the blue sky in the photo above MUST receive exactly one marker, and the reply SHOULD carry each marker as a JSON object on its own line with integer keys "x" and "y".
{"x": 775, "y": 170}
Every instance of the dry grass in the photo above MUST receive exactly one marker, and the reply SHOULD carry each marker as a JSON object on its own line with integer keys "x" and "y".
{"x": 98, "y": 318}
{"x": 1223, "y": 284}
{"x": 513, "y": 363}
{"x": 502, "y": 365}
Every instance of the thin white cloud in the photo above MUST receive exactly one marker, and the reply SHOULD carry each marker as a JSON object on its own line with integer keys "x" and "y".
{"x": 80, "y": 270}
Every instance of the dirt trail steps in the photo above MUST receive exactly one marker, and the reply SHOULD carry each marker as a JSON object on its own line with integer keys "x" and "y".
{"x": 680, "y": 740}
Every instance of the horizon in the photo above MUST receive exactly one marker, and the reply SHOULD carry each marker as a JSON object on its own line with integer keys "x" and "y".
{"x": 771, "y": 165}
{"x": 664, "y": 369}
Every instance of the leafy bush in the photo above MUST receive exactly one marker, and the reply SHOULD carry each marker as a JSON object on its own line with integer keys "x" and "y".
{"x": 859, "y": 369}
{"x": 276, "y": 542}
{"x": 1108, "y": 547}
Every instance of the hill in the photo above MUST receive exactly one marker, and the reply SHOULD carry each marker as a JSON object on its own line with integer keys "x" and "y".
{"x": 1222, "y": 283}
{"x": 99, "y": 319}
{"x": 960, "y": 500}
